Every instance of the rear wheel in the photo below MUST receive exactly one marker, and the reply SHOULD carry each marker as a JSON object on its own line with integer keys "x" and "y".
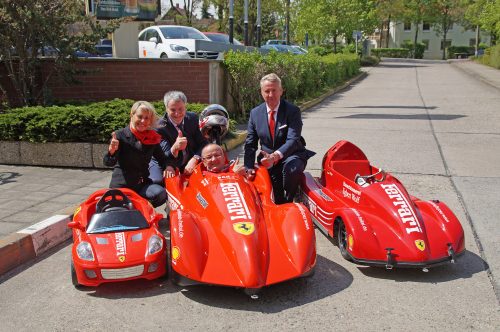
{"x": 342, "y": 240}
{"x": 174, "y": 276}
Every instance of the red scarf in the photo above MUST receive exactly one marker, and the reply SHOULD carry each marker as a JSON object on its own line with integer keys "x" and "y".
{"x": 146, "y": 137}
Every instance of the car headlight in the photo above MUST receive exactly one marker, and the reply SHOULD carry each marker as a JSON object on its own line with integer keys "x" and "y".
{"x": 84, "y": 251}
{"x": 155, "y": 244}
{"x": 178, "y": 48}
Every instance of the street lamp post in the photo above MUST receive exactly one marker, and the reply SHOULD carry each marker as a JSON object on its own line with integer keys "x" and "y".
{"x": 231, "y": 20}
{"x": 258, "y": 23}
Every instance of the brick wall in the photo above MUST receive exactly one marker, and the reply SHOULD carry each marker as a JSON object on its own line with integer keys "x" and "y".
{"x": 131, "y": 78}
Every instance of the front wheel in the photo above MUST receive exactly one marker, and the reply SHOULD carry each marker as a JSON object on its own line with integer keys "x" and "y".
{"x": 74, "y": 277}
{"x": 163, "y": 56}
{"x": 342, "y": 240}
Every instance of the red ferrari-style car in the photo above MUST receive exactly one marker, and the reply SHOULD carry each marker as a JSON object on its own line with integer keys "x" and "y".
{"x": 116, "y": 238}
{"x": 373, "y": 218}
{"x": 226, "y": 230}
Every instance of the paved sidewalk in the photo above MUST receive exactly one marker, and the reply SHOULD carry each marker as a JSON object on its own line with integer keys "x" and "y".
{"x": 486, "y": 74}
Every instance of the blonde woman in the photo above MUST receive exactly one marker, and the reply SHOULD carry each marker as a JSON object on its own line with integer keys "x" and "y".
{"x": 131, "y": 150}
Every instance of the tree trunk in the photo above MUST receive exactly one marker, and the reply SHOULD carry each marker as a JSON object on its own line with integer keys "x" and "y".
{"x": 388, "y": 35}
{"x": 415, "y": 42}
{"x": 335, "y": 43}
{"x": 445, "y": 32}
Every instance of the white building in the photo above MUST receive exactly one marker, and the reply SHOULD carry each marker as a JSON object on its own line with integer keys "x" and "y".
{"x": 457, "y": 36}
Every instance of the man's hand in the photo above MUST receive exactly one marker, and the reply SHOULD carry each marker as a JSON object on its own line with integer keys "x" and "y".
{"x": 238, "y": 168}
{"x": 180, "y": 144}
{"x": 269, "y": 159}
{"x": 114, "y": 144}
{"x": 250, "y": 174}
{"x": 169, "y": 172}
{"x": 190, "y": 166}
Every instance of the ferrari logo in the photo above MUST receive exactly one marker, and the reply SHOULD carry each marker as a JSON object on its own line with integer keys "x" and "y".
{"x": 420, "y": 244}
{"x": 245, "y": 228}
{"x": 121, "y": 258}
{"x": 176, "y": 253}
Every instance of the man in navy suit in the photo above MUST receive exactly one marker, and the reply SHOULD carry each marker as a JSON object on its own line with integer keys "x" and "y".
{"x": 277, "y": 124}
{"x": 181, "y": 141}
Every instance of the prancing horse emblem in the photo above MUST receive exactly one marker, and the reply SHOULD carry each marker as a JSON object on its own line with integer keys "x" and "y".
{"x": 245, "y": 228}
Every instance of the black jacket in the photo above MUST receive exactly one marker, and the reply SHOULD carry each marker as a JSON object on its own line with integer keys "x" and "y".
{"x": 131, "y": 161}
{"x": 190, "y": 130}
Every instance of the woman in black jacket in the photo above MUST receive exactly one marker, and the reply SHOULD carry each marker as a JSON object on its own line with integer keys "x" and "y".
{"x": 131, "y": 150}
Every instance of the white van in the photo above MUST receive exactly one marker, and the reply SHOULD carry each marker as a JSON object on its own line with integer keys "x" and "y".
{"x": 172, "y": 41}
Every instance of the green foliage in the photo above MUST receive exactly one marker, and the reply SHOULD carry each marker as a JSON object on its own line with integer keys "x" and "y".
{"x": 369, "y": 60}
{"x": 491, "y": 57}
{"x": 452, "y": 50}
{"x": 302, "y": 75}
{"x": 86, "y": 123}
{"x": 320, "y": 50}
{"x": 391, "y": 52}
{"x": 416, "y": 53}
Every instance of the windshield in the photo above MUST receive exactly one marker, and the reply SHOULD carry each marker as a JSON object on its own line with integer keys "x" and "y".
{"x": 116, "y": 221}
{"x": 181, "y": 33}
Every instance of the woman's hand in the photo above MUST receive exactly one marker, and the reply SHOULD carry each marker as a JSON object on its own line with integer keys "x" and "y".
{"x": 169, "y": 172}
{"x": 114, "y": 144}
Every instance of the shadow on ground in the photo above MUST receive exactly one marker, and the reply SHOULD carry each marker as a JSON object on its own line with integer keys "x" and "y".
{"x": 8, "y": 177}
{"x": 329, "y": 279}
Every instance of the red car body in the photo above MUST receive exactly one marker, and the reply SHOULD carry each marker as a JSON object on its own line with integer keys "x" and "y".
{"x": 119, "y": 227}
{"x": 374, "y": 219}
{"x": 226, "y": 230}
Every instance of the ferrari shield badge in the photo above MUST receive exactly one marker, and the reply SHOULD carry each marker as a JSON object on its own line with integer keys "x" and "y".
{"x": 176, "y": 253}
{"x": 245, "y": 228}
{"x": 121, "y": 259}
{"x": 420, "y": 244}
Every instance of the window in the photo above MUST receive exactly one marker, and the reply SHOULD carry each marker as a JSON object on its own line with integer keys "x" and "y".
{"x": 426, "y": 42}
{"x": 426, "y": 26}
{"x": 446, "y": 43}
{"x": 407, "y": 26}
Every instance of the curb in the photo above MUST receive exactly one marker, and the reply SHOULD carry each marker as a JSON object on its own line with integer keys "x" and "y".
{"x": 25, "y": 245}
{"x": 473, "y": 74}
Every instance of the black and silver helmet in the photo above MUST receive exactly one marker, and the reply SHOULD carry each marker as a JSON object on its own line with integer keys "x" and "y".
{"x": 214, "y": 123}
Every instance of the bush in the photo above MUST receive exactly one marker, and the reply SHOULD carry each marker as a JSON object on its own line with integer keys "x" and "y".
{"x": 453, "y": 50}
{"x": 419, "y": 50}
{"x": 391, "y": 52}
{"x": 302, "y": 76}
{"x": 70, "y": 123}
{"x": 320, "y": 50}
{"x": 369, "y": 61}
{"x": 491, "y": 57}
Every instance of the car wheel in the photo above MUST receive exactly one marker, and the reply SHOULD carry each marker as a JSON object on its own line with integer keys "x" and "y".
{"x": 342, "y": 240}
{"x": 163, "y": 56}
{"x": 74, "y": 278}
{"x": 174, "y": 276}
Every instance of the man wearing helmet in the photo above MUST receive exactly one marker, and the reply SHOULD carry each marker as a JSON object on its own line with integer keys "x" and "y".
{"x": 277, "y": 124}
{"x": 181, "y": 141}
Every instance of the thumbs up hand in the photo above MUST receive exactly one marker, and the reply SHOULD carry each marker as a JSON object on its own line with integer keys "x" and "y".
{"x": 114, "y": 144}
{"x": 180, "y": 143}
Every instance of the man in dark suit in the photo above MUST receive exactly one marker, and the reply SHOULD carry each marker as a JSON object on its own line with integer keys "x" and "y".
{"x": 181, "y": 141}
{"x": 277, "y": 124}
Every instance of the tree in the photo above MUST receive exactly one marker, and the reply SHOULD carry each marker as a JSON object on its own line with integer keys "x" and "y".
{"x": 30, "y": 27}
{"x": 485, "y": 14}
{"x": 443, "y": 14}
{"x": 416, "y": 12}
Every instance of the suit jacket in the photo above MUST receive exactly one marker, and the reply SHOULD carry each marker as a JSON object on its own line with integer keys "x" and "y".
{"x": 287, "y": 133}
{"x": 190, "y": 129}
{"x": 131, "y": 160}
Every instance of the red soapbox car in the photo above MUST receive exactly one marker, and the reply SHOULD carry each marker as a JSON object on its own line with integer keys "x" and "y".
{"x": 373, "y": 218}
{"x": 226, "y": 230}
{"x": 116, "y": 238}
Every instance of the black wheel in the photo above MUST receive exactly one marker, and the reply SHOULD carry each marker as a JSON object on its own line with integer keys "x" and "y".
{"x": 174, "y": 276}
{"x": 342, "y": 240}
{"x": 74, "y": 278}
{"x": 163, "y": 56}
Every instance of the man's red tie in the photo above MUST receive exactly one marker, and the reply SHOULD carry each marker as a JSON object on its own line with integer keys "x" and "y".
{"x": 272, "y": 124}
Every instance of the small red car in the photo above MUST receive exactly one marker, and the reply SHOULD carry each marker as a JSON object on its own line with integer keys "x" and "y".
{"x": 226, "y": 230}
{"x": 373, "y": 218}
{"x": 116, "y": 238}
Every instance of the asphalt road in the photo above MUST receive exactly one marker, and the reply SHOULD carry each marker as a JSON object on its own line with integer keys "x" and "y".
{"x": 434, "y": 127}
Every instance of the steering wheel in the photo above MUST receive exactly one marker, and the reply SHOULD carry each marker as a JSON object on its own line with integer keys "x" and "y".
{"x": 367, "y": 179}
{"x": 113, "y": 200}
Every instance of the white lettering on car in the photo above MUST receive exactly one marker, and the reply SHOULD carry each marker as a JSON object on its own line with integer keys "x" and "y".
{"x": 405, "y": 211}
{"x": 121, "y": 246}
{"x": 351, "y": 193}
{"x": 235, "y": 202}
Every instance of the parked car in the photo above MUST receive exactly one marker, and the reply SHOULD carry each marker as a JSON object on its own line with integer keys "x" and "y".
{"x": 282, "y": 48}
{"x": 221, "y": 38}
{"x": 276, "y": 42}
{"x": 172, "y": 41}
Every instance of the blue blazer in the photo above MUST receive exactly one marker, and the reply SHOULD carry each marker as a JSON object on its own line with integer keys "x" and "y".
{"x": 287, "y": 133}
{"x": 190, "y": 130}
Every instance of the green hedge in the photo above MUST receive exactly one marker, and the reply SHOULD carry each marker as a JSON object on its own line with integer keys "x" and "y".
{"x": 419, "y": 50}
{"x": 391, "y": 52}
{"x": 303, "y": 76}
{"x": 452, "y": 50}
{"x": 86, "y": 123}
{"x": 491, "y": 57}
